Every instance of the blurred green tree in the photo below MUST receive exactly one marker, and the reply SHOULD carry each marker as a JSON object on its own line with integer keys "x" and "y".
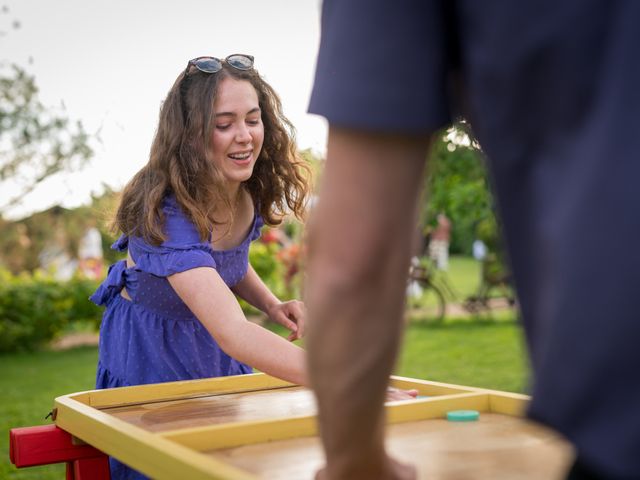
{"x": 457, "y": 183}
{"x": 36, "y": 141}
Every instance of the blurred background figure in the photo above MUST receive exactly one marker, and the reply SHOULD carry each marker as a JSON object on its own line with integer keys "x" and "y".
{"x": 479, "y": 250}
{"x": 439, "y": 242}
{"x": 55, "y": 257}
{"x": 90, "y": 253}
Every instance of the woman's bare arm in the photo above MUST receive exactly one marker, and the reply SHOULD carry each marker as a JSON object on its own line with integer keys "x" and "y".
{"x": 212, "y": 302}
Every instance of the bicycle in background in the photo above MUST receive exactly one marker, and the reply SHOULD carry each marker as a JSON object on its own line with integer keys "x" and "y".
{"x": 433, "y": 291}
{"x": 496, "y": 287}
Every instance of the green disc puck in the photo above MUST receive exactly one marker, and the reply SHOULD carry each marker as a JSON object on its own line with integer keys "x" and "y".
{"x": 463, "y": 415}
{"x": 422, "y": 396}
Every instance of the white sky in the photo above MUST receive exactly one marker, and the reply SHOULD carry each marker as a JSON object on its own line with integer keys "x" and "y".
{"x": 113, "y": 62}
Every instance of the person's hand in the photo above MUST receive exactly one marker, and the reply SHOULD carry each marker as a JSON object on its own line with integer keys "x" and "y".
{"x": 392, "y": 470}
{"x": 291, "y": 315}
{"x": 396, "y": 394}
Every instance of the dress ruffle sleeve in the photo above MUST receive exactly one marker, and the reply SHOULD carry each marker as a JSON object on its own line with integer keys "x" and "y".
{"x": 163, "y": 262}
{"x": 182, "y": 250}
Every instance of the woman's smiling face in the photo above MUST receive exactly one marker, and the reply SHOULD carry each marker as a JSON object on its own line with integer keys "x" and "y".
{"x": 238, "y": 131}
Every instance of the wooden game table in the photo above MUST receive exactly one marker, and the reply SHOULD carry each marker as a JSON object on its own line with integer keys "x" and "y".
{"x": 256, "y": 426}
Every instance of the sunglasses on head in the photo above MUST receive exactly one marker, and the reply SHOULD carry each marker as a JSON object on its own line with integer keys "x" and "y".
{"x": 238, "y": 61}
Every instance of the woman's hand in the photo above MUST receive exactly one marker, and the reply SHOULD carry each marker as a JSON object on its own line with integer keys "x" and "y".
{"x": 291, "y": 315}
{"x": 396, "y": 394}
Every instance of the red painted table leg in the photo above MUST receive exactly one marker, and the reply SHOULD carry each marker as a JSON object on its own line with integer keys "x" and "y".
{"x": 43, "y": 445}
{"x": 92, "y": 468}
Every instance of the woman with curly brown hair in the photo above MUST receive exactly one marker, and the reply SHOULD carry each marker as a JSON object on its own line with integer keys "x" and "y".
{"x": 222, "y": 163}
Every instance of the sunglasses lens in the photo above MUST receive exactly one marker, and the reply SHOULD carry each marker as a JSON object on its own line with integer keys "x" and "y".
{"x": 241, "y": 62}
{"x": 208, "y": 65}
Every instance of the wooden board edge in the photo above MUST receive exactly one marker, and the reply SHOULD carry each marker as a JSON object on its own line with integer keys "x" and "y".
{"x": 159, "y": 392}
{"x": 435, "y": 407}
{"x": 151, "y": 454}
{"x": 427, "y": 387}
{"x": 216, "y": 437}
{"x": 513, "y": 404}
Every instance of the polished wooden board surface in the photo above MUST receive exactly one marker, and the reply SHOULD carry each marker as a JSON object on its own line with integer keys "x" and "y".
{"x": 217, "y": 409}
{"x": 495, "y": 447}
{"x": 256, "y": 426}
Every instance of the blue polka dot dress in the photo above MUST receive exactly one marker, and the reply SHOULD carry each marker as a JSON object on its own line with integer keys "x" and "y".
{"x": 154, "y": 337}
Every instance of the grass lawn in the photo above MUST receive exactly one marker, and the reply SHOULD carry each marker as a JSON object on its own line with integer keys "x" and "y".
{"x": 481, "y": 353}
{"x": 29, "y": 383}
{"x": 485, "y": 353}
